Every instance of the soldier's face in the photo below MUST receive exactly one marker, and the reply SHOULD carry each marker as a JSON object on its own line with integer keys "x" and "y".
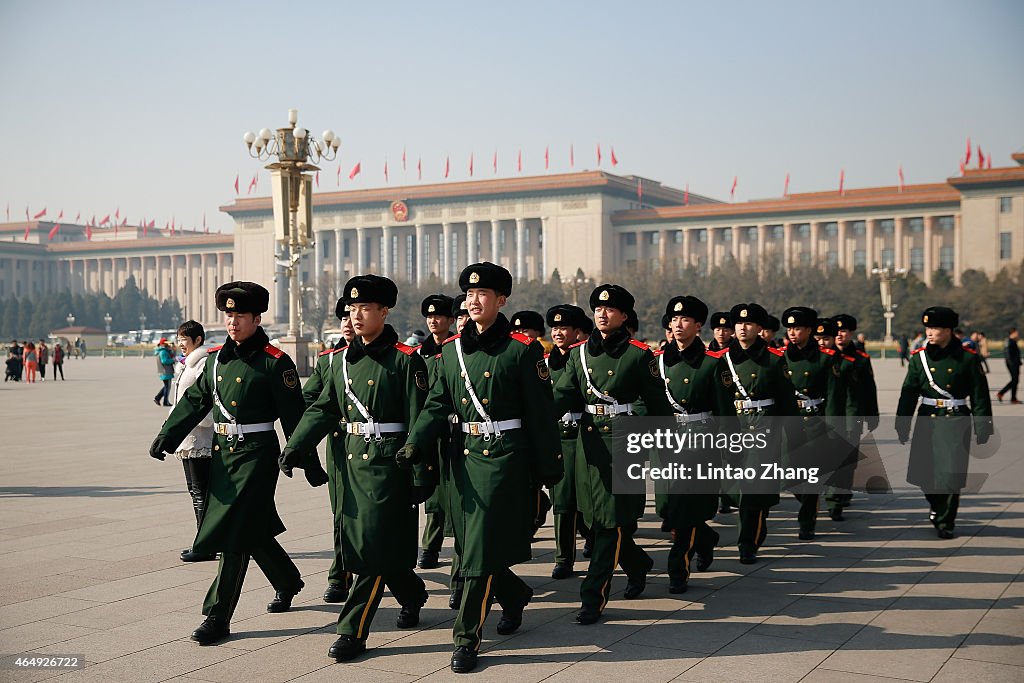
{"x": 483, "y": 304}
{"x": 563, "y": 337}
{"x": 240, "y": 326}
{"x": 438, "y": 324}
{"x": 460, "y": 322}
{"x": 939, "y": 336}
{"x": 798, "y": 335}
{"x": 367, "y": 319}
{"x": 723, "y": 335}
{"x": 684, "y": 329}
{"x": 347, "y": 331}
{"x": 826, "y": 341}
{"x": 532, "y": 334}
{"x": 607, "y": 318}
{"x": 767, "y": 334}
{"x": 746, "y": 333}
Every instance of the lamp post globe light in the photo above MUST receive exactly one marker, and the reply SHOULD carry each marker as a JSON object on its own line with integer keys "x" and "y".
{"x": 886, "y": 276}
{"x": 107, "y": 319}
{"x": 71, "y": 319}
{"x": 295, "y": 153}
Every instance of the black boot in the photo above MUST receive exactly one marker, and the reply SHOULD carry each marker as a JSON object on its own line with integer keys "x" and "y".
{"x": 562, "y": 571}
{"x": 512, "y": 616}
{"x": 188, "y": 555}
{"x": 705, "y": 556}
{"x": 836, "y": 514}
{"x": 586, "y": 617}
{"x": 455, "y": 601}
{"x": 676, "y": 585}
{"x": 428, "y": 559}
{"x": 211, "y": 631}
{"x": 463, "y": 660}
{"x": 748, "y": 555}
{"x": 336, "y": 592}
{"x": 635, "y": 584}
{"x": 408, "y": 617}
{"x": 346, "y": 648}
{"x": 588, "y": 548}
{"x": 282, "y": 601}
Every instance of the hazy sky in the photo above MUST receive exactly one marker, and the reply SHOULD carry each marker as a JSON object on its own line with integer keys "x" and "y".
{"x": 142, "y": 105}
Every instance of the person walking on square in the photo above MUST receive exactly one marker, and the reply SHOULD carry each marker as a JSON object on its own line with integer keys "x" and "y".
{"x": 58, "y": 362}
{"x": 249, "y": 384}
{"x": 31, "y": 362}
{"x": 165, "y": 369}
{"x": 1012, "y": 356}
{"x": 497, "y": 383}
{"x": 44, "y": 357}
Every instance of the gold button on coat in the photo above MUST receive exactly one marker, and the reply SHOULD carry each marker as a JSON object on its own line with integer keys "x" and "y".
{"x": 486, "y": 452}
{"x": 487, "y": 373}
{"x": 366, "y": 456}
{"x": 234, "y": 403}
{"x": 220, "y": 378}
{"x": 369, "y": 382}
{"x": 611, "y": 372}
{"x": 238, "y": 380}
{"x": 465, "y": 452}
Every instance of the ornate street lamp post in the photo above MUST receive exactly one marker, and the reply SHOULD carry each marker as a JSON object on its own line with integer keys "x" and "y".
{"x": 886, "y": 276}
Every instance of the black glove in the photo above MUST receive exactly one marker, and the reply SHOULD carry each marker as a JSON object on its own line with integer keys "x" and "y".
{"x": 288, "y": 459}
{"x": 552, "y": 479}
{"x": 419, "y": 494}
{"x": 981, "y": 439}
{"x": 157, "y": 449}
{"x": 407, "y": 456}
{"x": 872, "y": 423}
{"x": 314, "y": 471}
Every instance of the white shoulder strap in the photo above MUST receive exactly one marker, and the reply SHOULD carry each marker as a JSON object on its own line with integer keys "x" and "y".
{"x": 469, "y": 385}
{"x": 736, "y": 377}
{"x": 590, "y": 384}
{"x": 931, "y": 380}
{"x": 668, "y": 394}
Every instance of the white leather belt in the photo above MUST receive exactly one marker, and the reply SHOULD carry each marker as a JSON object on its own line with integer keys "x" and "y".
{"x": 486, "y": 429}
{"x": 693, "y": 417}
{"x": 944, "y": 402}
{"x": 228, "y": 429}
{"x": 570, "y": 418}
{"x": 374, "y": 428}
{"x": 608, "y": 408}
{"x": 750, "y": 404}
{"x": 809, "y": 403}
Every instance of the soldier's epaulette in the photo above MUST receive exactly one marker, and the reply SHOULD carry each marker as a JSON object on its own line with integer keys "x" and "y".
{"x": 547, "y": 355}
{"x": 715, "y": 354}
{"x": 273, "y": 350}
{"x": 659, "y": 352}
{"x": 639, "y": 345}
{"x": 520, "y": 337}
{"x": 579, "y": 343}
{"x": 216, "y": 348}
{"x": 849, "y": 358}
{"x": 865, "y": 354}
{"x": 968, "y": 349}
{"x": 405, "y": 348}
{"x": 451, "y": 339}
{"x": 778, "y": 352}
{"x": 913, "y": 353}
{"x": 327, "y": 352}
{"x": 827, "y": 351}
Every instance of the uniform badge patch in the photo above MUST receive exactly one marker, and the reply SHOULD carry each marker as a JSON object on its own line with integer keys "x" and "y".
{"x": 835, "y": 370}
{"x": 290, "y": 378}
{"x": 474, "y": 278}
{"x": 652, "y": 365}
{"x": 430, "y": 308}
{"x": 727, "y": 379}
{"x": 603, "y": 296}
{"x": 230, "y": 303}
{"x": 679, "y": 306}
{"x": 421, "y": 380}
{"x": 543, "y": 371}
{"x": 354, "y": 293}
{"x": 558, "y": 317}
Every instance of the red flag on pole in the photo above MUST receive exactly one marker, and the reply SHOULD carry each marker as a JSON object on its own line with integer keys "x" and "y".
{"x": 337, "y": 182}
{"x": 967, "y": 154}
{"x": 981, "y": 158}
{"x": 206, "y": 228}
{"x": 640, "y": 190}
{"x": 26, "y": 213}
{"x": 403, "y": 158}
{"x": 686, "y": 195}
{"x": 470, "y": 164}
{"x": 572, "y": 157}
{"x": 598, "y": 154}
{"x": 615, "y": 160}
{"x": 53, "y": 232}
{"x": 988, "y": 161}
{"x": 60, "y": 214}
{"x": 494, "y": 162}
{"x": 152, "y": 223}
{"x": 145, "y": 229}
{"x": 355, "y": 170}
{"x": 447, "y": 166}
{"x": 26, "y": 232}
{"x": 785, "y": 188}
{"x": 545, "y": 158}
{"x": 316, "y": 179}
{"x": 732, "y": 191}
{"x": 117, "y": 213}
{"x": 963, "y": 167}
{"x": 519, "y": 161}
{"x": 105, "y": 220}
{"x": 124, "y": 221}
{"x": 900, "y": 175}
{"x": 39, "y": 215}
{"x": 842, "y": 177}
{"x": 78, "y": 216}
{"x": 386, "y": 179}
{"x": 252, "y": 183}
{"x": 419, "y": 168}
{"x": 88, "y": 232}
{"x": 115, "y": 229}
{"x": 236, "y": 184}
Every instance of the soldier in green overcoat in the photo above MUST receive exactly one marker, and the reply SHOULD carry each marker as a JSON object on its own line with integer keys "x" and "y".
{"x": 566, "y": 321}
{"x": 376, "y": 390}
{"x": 248, "y": 383}
{"x": 753, "y": 377}
{"x": 497, "y": 383}
{"x": 610, "y": 372}
{"x": 946, "y": 385}
{"x": 689, "y": 371}
{"x": 338, "y": 580}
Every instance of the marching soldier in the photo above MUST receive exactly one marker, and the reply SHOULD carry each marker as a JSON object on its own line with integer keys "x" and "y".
{"x": 768, "y": 332}
{"x": 941, "y": 377}
{"x": 611, "y": 372}
{"x": 248, "y": 384}
{"x": 497, "y": 383}
{"x": 338, "y": 580}
{"x": 565, "y": 321}
{"x": 861, "y": 407}
{"x": 436, "y": 309}
{"x": 531, "y": 324}
{"x": 460, "y": 313}
{"x": 689, "y": 371}
{"x": 753, "y": 376}
{"x": 375, "y": 390}
{"x": 722, "y": 331}
{"x": 814, "y": 370}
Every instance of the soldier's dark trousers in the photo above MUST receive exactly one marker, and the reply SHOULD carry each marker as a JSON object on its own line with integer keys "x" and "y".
{"x": 337, "y": 574}
{"x": 839, "y": 493}
{"x": 197, "y": 479}
{"x": 433, "y": 532}
{"x": 808, "y": 514}
{"x": 365, "y": 595}
{"x": 477, "y": 591}
{"x": 752, "y": 527}
{"x": 567, "y": 525}
{"x": 611, "y": 547}
{"x": 272, "y": 560}
{"x": 456, "y": 581}
{"x": 688, "y": 541}
{"x": 945, "y": 506}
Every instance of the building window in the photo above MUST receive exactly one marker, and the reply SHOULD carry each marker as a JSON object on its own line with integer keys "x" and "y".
{"x": 778, "y": 232}
{"x": 917, "y": 259}
{"x": 325, "y": 244}
{"x": 726, "y": 234}
{"x": 652, "y": 237}
{"x": 1005, "y": 204}
{"x": 859, "y": 228}
{"x": 1004, "y": 245}
{"x": 751, "y": 234}
{"x": 831, "y": 229}
{"x": 805, "y": 258}
{"x": 886, "y": 226}
{"x": 677, "y": 236}
{"x": 702, "y": 235}
{"x": 946, "y": 259}
{"x": 344, "y": 247}
{"x": 945, "y": 222}
{"x": 832, "y": 259}
{"x": 888, "y": 258}
{"x": 859, "y": 258}
{"x": 803, "y": 230}
{"x": 629, "y": 239}
{"x": 915, "y": 224}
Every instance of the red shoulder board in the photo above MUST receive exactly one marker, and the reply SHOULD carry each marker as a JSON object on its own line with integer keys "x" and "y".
{"x": 659, "y": 352}
{"x": 968, "y": 349}
{"x": 451, "y": 339}
{"x": 830, "y": 352}
{"x": 218, "y": 347}
{"x": 778, "y": 352}
{"x": 405, "y": 348}
{"x": 865, "y": 354}
{"x": 914, "y": 352}
{"x": 849, "y": 358}
{"x": 273, "y": 350}
{"x": 715, "y": 354}
{"x": 639, "y": 345}
{"x": 326, "y": 353}
{"x": 521, "y": 338}
{"x": 579, "y": 343}
{"x": 547, "y": 355}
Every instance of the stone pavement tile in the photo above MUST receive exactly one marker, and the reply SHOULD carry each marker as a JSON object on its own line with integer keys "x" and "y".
{"x": 37, "y": 587}
{"x": 880, "y": 586}
{"x": 39, "y": 609}
{"x": 500, "y": 669}
{"x": 131, "y": 586}
{"x": 119, "y": 553}
{"x": 930, "y": 615}
{"x": 351, "y": 672}
{"x": 121, "y": 612}
{"x": 268, "y": 629}
{"x": 957, "y": 670}
{"x": 635, "y": 662}
{"x": 38, "y": 634}
{"x": 46, "y": 568}
{"x": 998, "y": 638}
{"x": 824, "y": 621}
{"x": 562, "y": 639}
{"x": 300, "y": 654}
{"x": 691, "y": 630}
{"x": 821, "y": 675}
{"x": 55, "y": 523}
{"x": 106, "y": 644}
{"x": 754, "y": 657}
{"x": 164, "y": 559}
{"x": 881, "y": 652}
{"x": 159, "y": 663}
{"x": 805, "y": 567}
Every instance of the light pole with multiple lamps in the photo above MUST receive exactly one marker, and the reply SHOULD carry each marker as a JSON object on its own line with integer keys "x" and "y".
{"x": 107, "y": 319}
{"x": 886, "y": 276}
{"x": 297, "y": 153}
{"x": 71, "y": 319}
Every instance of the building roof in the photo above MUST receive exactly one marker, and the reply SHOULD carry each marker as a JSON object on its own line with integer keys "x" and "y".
{"x": 554, "y": 184}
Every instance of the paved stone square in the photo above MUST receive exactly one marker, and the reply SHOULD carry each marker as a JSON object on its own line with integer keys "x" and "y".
{"x": 91, "y": 527}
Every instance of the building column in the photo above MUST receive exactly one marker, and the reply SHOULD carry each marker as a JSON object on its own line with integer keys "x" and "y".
{"x": 663, "y": 250}
{"x": 929, "y": 248}
{"x": 815, "y": 244}
{"x": 360, "y": 251}
{"x": 419, "y": 257}
{"x": 339, "y": 256}
{"x": 544, "y": 222}
{"x": 787, "y": 247}
{"x": 737, "y": 246}
{"x": 495, "y": 240}
{"x": 520, "y": 249}
{"x": 869, "y": 245}
{"x": 687, "y": 245}
{"x": 386, "y": 266}
{"x": 174, "y": 284}
{"x": 472, "y": 250}
{"x": 318, "y": 257}
{"x": 219, "y": 277}
{"x": 844, "y": 261}
{"x": 445, "y": 253}
{"x": 898, "y": 260}
{"x": 958, "y": 249}
{"x": 761, "y": 256}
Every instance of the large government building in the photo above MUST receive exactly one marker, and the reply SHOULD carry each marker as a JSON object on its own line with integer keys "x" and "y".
{"x": 597, "y": 221}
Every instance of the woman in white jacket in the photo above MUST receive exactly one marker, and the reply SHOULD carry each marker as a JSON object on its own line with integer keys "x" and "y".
{"x": 195, "y": 451}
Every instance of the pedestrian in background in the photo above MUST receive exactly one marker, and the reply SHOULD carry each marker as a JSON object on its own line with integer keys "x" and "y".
{"x": 31, "y": 362}
{"x": 164, "y": 368}
{"x": 43, "y": 351}
{"x": 58, "y": 362}
{"x": 1012, "y": 356}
